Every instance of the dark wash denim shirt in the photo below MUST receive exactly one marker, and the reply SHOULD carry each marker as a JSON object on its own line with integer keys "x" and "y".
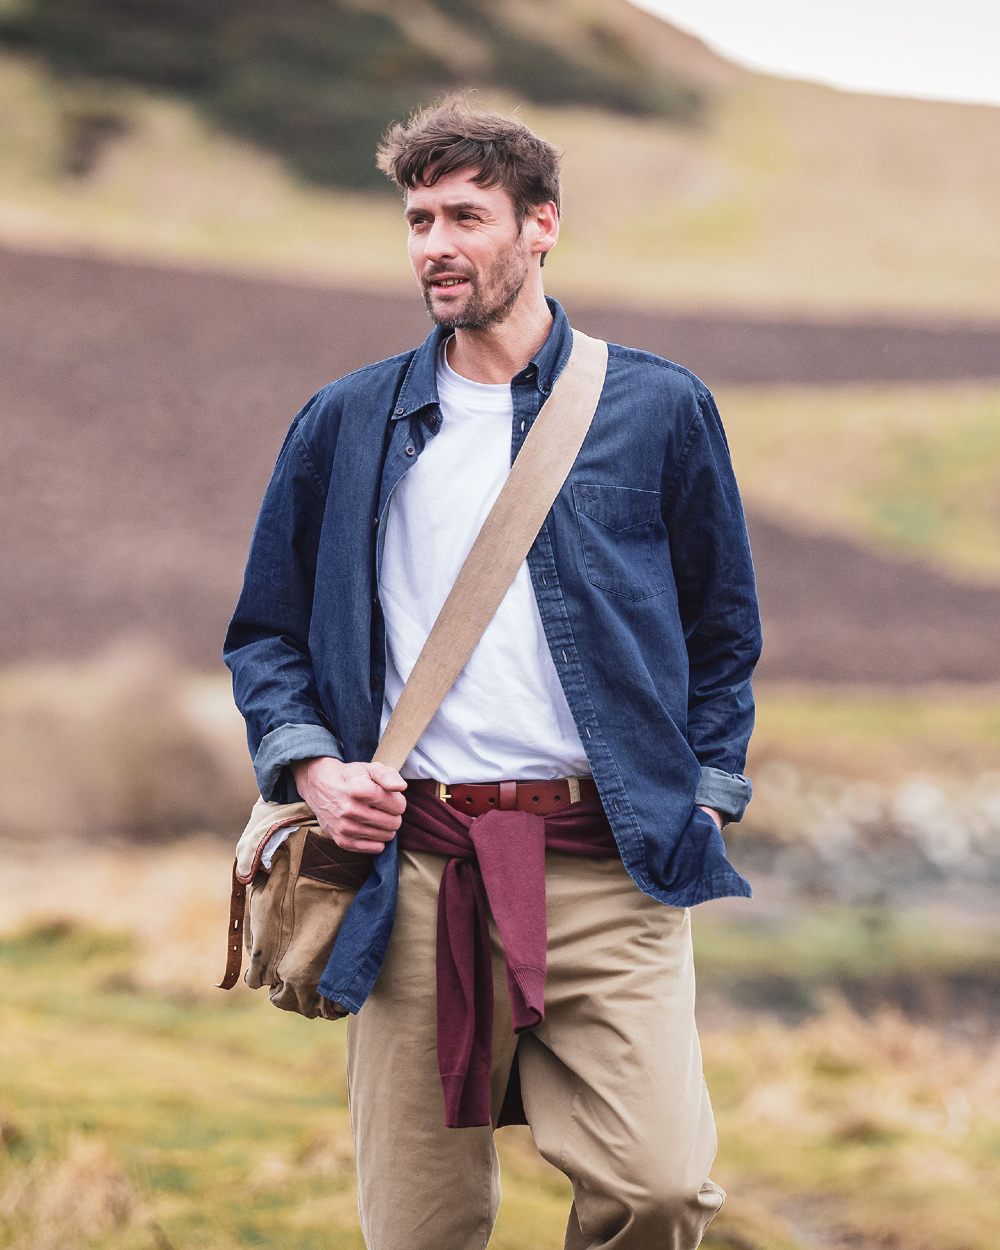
{"x": 644, "y": 582}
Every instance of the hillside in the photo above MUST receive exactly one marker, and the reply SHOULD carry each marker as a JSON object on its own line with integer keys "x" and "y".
{"x": 318, "y": 83}
{"x": 688, "y": 183}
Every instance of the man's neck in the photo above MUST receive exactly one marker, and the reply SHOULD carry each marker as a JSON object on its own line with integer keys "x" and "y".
{"x": 496, "y": 354}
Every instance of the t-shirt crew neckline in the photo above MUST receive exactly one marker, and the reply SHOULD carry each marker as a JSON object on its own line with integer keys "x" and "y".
{"x": 492, "y": 395}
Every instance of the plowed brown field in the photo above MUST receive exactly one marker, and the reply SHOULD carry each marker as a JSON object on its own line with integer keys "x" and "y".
{"x": 142, "y": 409}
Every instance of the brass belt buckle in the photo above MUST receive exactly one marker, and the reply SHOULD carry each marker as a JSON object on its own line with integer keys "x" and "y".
{"x": 574, "y": 789}
{"x": 441, "y": 791}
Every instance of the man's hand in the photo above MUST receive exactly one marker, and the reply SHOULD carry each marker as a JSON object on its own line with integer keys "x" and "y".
{"x": 716, "y": 816}
{"x": 358, "y": 805}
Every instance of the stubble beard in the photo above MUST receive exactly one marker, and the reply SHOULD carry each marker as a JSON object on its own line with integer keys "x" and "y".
{"x": 505, "y": 279}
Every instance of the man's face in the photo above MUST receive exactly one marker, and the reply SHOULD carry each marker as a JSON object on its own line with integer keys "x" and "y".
{"x": 467, "y": 251}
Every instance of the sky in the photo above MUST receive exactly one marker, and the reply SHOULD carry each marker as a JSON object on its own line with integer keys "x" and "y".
{"x": 924, "y": 48}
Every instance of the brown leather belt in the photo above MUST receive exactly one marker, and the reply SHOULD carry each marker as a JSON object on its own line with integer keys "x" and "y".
{"x": 543, "y": 797}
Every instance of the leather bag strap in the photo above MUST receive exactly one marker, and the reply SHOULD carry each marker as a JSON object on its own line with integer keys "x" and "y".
{"x": 536, "y": 477}
{"x": 234, "y": 948}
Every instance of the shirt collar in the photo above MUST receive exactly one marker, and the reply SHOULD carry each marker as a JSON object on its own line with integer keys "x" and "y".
{"x": 419, "y": 389}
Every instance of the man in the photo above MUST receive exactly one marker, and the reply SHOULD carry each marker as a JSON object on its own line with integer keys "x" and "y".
{"x": 603, "y": 720}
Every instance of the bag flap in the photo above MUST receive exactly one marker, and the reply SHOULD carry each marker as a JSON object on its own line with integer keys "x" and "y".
{"x": 265, "y": 820}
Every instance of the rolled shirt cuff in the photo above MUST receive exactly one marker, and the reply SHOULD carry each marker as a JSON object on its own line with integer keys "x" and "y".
{"x": 280, "y": 748}
{"x": 728, "y": 793}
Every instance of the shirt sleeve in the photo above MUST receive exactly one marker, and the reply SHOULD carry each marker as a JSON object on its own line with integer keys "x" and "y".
{"x": 266, "y": 646}
{"x": 717, "y": 598}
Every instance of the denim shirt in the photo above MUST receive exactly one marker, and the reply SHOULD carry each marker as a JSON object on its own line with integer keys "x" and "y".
{"x": 645, "y": 587}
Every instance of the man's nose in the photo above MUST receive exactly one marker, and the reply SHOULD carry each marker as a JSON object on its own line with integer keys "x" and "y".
{"x": 439, "y": 242}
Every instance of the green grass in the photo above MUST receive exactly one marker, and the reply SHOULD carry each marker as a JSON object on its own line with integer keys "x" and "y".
{"x": 132, "y": 1118}
{"x": 867, "y": 953}
{"x": 908, "y": 470}
{"x": 878, "y": 734}
{"x": 228, "y": 1121}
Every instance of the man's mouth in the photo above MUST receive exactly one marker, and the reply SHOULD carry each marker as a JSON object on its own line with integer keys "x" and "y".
{"x": 448, "y": 283}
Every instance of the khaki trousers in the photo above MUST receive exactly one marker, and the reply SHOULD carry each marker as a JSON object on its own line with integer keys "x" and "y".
{"x": 611, "y": 1080}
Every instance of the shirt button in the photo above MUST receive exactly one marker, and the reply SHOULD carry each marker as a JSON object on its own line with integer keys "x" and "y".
{"x": 399, "y": 412}
{"x": 409, "y": 449}
{"x": 376, "y": 523}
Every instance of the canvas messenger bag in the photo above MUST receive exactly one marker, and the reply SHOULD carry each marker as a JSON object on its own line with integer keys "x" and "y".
{"x": 297, "y": 881}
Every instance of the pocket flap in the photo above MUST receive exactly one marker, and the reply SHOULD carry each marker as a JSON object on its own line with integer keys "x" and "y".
{"x": 617, "y": 507}
{"x": 323, "y": 860}
{"x": 265, "y": 820}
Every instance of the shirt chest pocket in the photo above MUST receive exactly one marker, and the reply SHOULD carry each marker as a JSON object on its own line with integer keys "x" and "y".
{"x": 617, "y": 525}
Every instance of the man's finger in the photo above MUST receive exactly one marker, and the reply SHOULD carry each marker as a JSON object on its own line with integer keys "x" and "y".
{"x": 372, "y": 807}
{"x": 388, "y": 778}
{"x": 365, "y": 790}
{"x": 362, "y": 848}
{"x": 354, "y": 826}
{"x": 390, "y": 801}
{"x": 355, "y": 835}
{"x": 370, "y": 821}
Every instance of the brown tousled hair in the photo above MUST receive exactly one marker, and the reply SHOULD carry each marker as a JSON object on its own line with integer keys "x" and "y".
{"x": 453, "y": 135}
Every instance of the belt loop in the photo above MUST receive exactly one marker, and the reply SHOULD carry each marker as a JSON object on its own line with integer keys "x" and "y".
{"x": 574, "y": 789}
{"x": 508, "y": 796}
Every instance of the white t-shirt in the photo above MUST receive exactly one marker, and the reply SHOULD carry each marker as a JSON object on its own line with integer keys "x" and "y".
{"x": 506, "y": 716}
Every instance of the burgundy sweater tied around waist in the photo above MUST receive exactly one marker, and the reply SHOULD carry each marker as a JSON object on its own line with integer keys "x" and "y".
{"x": 496, "y": 863}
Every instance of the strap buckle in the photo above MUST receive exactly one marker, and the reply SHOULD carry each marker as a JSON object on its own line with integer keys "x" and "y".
{"x": 441, "y": 791}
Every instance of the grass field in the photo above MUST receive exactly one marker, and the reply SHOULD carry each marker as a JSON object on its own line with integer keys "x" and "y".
{"x": 878, "y": 735}
{"x": 851, "y": 1051}
{"x": 907, "y": 470}
{"x": 137, "y": 1116}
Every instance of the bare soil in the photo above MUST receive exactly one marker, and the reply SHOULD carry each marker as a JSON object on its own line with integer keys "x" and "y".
{"x": 143, "y": 407}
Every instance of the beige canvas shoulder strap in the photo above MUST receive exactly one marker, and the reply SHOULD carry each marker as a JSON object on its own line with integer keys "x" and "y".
{"x": 536, "y": 477}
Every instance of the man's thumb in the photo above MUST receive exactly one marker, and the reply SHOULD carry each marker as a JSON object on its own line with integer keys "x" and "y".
{"x": 387, "y": 777}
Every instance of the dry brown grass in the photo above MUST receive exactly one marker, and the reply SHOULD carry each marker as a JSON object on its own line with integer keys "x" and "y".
{"x": 889, "y": 1123}
{"x": 172, "y": 897}
{"x": 117, "y": 746}
{"x": 140, "y": 1119}
{"x": 840, "y": 1131}
{"x": 81, "y": 1196}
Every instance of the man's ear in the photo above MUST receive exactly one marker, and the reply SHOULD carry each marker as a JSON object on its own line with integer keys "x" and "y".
{"x": 542, "y": 227}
